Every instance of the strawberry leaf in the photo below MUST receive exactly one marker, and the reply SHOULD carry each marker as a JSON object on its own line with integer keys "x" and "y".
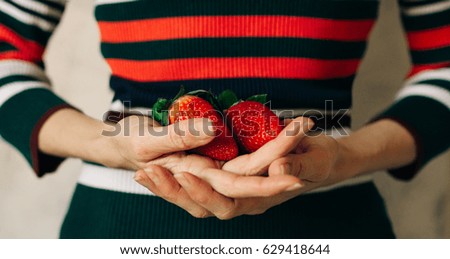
{"x": 160, "y": 112}
{"x": 208, "y": 96}
{"x": 226, "y": 99}
{"x": 179, "y": 94}
{"x": 261, "y": 98}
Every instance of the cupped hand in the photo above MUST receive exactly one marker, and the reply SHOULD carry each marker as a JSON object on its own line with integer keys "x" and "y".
{"x": 286, "y": 142}
{"x": 319, "y": 161}
{"x": 223, "y": 195}
{"x": 136, "y": 140}
{"x": 208, "y": 191}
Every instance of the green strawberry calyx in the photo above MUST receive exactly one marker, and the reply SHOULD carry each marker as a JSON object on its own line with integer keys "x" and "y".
{"x": 160, "y": 110}
{"x": 228, "y": 99}
{"x": 260, "y": 98}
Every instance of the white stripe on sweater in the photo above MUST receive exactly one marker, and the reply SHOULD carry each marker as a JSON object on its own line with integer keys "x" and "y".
{"x": 25, "y": 17}
{"x": 441, "y": 73}
{"x": 430, "y": 91}
{"x": 102, "y": 2}
{"x": 9, "y": 90}
{"x": 39, "y": 8}
{"x": 20, "y": 67}
{"x": 426, "y": 8}
{"x": 119, "y": 180}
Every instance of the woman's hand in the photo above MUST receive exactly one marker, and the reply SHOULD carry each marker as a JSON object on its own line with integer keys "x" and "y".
{"x": 129, "y": 144}
{"x": 244, "y": 195}
{"x": 314, "y": 162}
{"x": 207, "y": 191}
{"x": 137, "y": 140}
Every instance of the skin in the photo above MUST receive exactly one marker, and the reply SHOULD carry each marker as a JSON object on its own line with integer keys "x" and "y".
{"x": 294, "y": 163}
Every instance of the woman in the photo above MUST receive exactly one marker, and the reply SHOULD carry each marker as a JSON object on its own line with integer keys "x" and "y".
{"x": 302, "y": 53}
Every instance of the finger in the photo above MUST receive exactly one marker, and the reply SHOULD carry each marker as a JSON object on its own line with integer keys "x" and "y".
{"x": 287, "y": 121}
{"x": 179, "y": 162}
{"x": 204, "y": 195}
{"x": 258, "y": 162}
{"x": 238, "y": 186}
{"x": 314, "y": 165}
{"x": 161, "y": 182}
{"x": 180, "y": 136}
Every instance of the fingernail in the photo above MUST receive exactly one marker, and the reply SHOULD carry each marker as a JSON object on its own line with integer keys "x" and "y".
{"x": 285, "y": 169}
{"x": 294, "y": 187}
{"x": 138, "y": 177}
{"x": 309, "y": 124}
{"x": 297, "y": 128}
{"x": 294, "y": 131}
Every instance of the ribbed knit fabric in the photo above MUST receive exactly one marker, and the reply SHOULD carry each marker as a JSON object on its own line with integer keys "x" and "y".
{"x": 352, "y": 212}
{"x": 300, "y": 52}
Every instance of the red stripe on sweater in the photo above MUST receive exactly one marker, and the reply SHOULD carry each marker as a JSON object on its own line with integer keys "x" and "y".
{"x": 14, "y": 54}
{"x": 234, "y": 26}
{"x": 210, "y": 68}
{"x": 419, "y": 68}
{"x": 26, "y": 49}
{"x": 429, "y": 39}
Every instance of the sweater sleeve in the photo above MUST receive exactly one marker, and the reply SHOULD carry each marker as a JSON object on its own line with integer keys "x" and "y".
{"x": 26, "y": 99}
{"x": 423, "y": 105}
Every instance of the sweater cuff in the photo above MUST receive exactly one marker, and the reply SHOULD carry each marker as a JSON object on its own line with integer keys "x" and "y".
{"x": 23, "y": 116}
{"x": 427, "y": 121}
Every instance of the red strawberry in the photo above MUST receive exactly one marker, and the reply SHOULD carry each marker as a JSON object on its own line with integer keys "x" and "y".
{"x": 253, "y": 124}
{"x": 223, "y": 147}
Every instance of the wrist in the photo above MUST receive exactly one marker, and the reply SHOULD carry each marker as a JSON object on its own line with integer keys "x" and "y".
{"x": 103, "y": 149}
{"x": 351, "y": 159}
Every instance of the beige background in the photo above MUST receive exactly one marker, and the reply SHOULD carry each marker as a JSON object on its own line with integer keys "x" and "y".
{"x": 34, "y": 208}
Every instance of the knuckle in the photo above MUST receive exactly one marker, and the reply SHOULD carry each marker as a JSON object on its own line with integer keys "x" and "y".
{"x": 200, "y": 214}
{"x": 170, "y": 196}
{"x": 177, "y": 139}
{"x": 173, "y": 195}
{"x": 226, "y": 215}
{"x": 259, "y": 211}
{"x": 138, "y": 148}
{"x": 202, "y": 199}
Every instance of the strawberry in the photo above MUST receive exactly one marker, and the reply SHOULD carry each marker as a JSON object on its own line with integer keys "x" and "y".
{"x": 253, "y": 124}
{"x": 191, "y": 105}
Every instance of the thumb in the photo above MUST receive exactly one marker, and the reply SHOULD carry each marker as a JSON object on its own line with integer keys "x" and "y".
{"x": 182, "y": 135}
{"x": 258, "y": 162}
{"x": 310, "y": 166}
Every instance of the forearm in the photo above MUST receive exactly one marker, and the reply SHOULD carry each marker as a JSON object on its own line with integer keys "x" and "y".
{"x": 384, "y": 144}
{"x": 69, "y": 133}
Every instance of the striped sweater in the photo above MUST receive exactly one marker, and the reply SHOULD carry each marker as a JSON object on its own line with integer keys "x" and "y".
{"x": 300, "y": 52}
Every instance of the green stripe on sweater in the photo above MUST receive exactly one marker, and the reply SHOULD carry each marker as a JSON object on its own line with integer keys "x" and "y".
{"x": 17, "y": 78}
{"x": 30, "y": 11}
{"x": 423, "y": 22}
{"x": 429, "y": 124}
{"x": 98, "y": 213}
{"x": 235, "y": 47}
{"x": 5, "y": 46}
{"x": 27, "y": 31}
{"x": 136, "y": 10}
{"x": 431, "y": 56}
{"x": 53, "y": 4}
{"x": 21, "y": 113}
{"x": 437, "y": 82}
